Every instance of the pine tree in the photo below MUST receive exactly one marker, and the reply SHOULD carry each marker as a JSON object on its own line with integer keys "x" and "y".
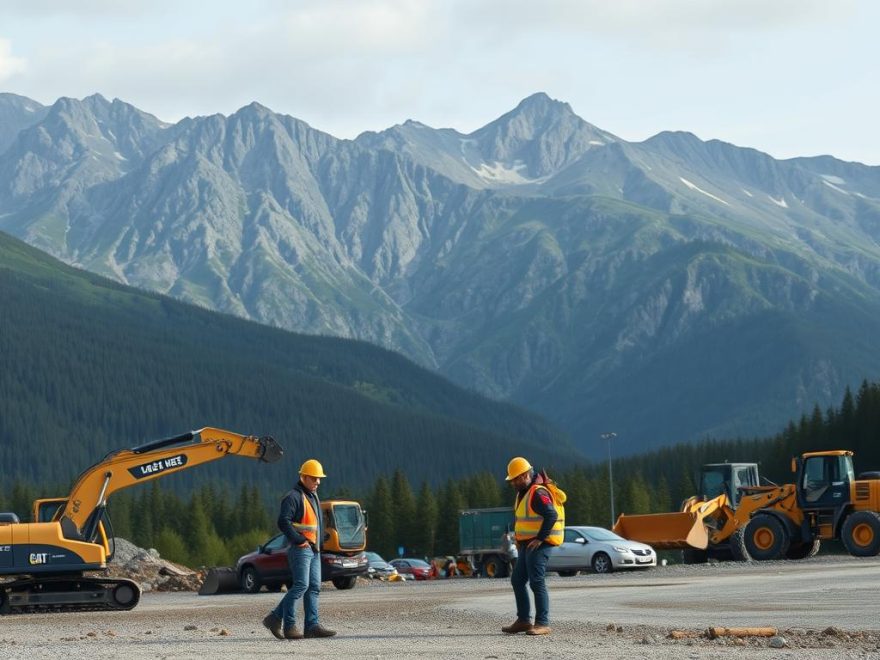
{"x": 425, "y": 529}
{"x": 451, "y": 502}
{"x": 382, "y": 527}
{"x": 404, "y": 511}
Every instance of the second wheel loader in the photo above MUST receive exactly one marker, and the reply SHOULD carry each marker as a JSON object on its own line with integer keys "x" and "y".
{"x": 736, "y": 518}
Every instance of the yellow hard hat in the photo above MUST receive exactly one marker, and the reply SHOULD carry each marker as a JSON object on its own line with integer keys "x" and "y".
{"x": 516, "y": 467}
{"x": 312, "y": 468}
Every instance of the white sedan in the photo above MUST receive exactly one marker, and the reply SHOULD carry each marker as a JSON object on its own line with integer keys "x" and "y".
{"x": 599, "y": 550}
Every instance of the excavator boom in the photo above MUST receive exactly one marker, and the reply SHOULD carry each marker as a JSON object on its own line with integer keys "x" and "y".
{"x": 128, "y": 467}
{"x": 47, "y": 559}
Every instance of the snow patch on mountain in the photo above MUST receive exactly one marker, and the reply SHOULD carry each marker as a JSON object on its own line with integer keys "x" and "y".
{"x": 833, "y": 187}
{"x": 496, "y": 172}
{"x": 779, "y": 202}
{"x": 695, "y": 187}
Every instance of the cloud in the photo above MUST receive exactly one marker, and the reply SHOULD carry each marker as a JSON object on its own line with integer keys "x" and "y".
{"x": 9, "y": 65}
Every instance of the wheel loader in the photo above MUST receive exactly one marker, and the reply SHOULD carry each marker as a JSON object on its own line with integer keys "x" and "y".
{"x": 736, "y": 518}
{"x": 51, "y": 560}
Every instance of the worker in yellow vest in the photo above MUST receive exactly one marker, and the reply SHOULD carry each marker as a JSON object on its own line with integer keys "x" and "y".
{"x": 538, "y": 527}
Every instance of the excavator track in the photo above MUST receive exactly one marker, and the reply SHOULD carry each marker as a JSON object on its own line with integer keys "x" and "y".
{"x": 67, "y": 594}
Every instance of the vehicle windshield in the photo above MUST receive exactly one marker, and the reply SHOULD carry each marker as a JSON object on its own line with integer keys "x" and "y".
{"x": 349, "y": 525}
{"x": 602, "y": 535}
{"x": 374, "y": 556}
{"x": 418, "y": 563}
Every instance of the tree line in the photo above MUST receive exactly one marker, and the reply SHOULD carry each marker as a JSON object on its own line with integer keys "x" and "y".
{"x": 212, "y": 527}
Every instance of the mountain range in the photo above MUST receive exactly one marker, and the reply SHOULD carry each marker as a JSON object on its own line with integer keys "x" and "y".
{"x": 668, "y": 290}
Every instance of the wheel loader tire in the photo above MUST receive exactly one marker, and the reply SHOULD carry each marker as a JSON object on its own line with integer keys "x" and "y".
{"x": 494, "y": 567}
{"x": 803, "y": 550}
{"x": 766, "y": 538}
{"x": 250, "y": 581}
{"x": 694, "y": 556}
{"x": 737, "y": 544}
{"x": 861, "y": 534}
{"x": 602, "y": 563}
{"x": 346, "y": 582}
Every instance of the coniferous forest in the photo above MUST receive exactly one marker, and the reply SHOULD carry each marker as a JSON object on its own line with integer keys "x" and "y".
{"x": 213, "y": 526}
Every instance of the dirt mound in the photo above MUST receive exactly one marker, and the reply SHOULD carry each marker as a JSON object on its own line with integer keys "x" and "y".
{"x": 150, "y": 571}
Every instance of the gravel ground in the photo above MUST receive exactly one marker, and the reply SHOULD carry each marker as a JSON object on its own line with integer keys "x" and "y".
{"x": 427, "y": 620}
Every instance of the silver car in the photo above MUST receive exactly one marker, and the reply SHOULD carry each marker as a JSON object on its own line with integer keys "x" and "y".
{"x": 599, "y": 550}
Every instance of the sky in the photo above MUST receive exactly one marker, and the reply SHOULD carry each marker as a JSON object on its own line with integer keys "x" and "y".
{"x": 788, "y": 77}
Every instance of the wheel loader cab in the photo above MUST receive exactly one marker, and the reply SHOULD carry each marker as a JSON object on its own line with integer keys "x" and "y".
{"x": 727, "y": 478}
{"x": 824, "y": 479}
{"x": 345, "y": 526}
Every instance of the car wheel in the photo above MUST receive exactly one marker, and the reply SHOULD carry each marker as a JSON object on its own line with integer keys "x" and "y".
{"x": 567, "y": 573}
{"x": 602, "y": 563}
{"x": 250, "y": 581}
{"x": 346, "y": 582}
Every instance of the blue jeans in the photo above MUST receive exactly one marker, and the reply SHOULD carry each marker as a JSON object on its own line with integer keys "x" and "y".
{"x": 530, "y": 567}
{"x": 305, "y": 568}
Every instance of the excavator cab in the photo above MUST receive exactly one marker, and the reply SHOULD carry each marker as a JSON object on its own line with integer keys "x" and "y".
{"x": 823, "y": 479}
{"x": 727, "y": 479}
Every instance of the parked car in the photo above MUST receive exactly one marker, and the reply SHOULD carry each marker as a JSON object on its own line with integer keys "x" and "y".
{"x": 267, "y": 567}
{"x": 417, "y": 568}
{"x": 599, "y": 550}
{"x": 378, "y": 567}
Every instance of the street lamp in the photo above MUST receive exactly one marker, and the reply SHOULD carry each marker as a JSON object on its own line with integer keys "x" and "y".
{"x": 609, "y": 437}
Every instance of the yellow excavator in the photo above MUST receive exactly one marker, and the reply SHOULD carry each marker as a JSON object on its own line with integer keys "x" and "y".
{"x": 48, "y": 559}
{"x": 736, "y": 518}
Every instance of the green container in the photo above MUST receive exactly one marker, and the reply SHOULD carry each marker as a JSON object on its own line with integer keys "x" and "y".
{"x": 480, "y": 530}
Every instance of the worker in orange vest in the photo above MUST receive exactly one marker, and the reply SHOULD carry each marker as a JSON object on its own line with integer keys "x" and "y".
{"x": 300, "y": 520}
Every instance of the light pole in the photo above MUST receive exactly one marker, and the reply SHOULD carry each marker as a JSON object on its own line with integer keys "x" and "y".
{"x": 609, "y": 437}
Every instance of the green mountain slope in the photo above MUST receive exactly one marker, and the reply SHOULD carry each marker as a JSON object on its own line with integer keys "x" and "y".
{"x": 90, "y": 365}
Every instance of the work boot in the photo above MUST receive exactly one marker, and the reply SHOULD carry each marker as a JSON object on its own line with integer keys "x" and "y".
{"x": 273, "y": 623}
{"x": 517, "y": 626}
{"x": 539, "y": 630}
{"x": 319, "y": 631}
{"x": 292, "y": 633}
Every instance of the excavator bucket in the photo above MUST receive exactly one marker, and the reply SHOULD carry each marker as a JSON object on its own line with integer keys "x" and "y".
{"x": 220, "y": 580}
{"x": 666, "y": 531}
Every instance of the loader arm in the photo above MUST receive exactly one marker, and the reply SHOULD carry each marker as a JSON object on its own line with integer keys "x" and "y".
{"x": 127, "y": 467}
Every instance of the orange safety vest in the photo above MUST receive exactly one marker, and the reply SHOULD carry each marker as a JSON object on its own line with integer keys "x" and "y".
{"x": 308, "y": 524}
{"x": 528, "y": 523}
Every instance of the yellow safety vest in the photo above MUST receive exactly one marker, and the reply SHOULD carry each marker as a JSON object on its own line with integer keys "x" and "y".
{"x": 308, "y": 525}
{"x": 528, "y": 523}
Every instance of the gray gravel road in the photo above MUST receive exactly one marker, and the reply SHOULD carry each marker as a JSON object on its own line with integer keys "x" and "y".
{"x": 823, "y": 608}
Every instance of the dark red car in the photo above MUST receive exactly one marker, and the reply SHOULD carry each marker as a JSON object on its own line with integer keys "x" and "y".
{"x": 420, "y": 570}
{"x": 267, "y": 566}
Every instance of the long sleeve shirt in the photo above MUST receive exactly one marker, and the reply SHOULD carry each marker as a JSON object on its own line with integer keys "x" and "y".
{"x": 291, "y": 512}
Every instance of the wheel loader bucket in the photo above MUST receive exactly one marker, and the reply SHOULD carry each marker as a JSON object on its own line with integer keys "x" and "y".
{"x": 666, "y": 531}
{"x": 221, "y": 580}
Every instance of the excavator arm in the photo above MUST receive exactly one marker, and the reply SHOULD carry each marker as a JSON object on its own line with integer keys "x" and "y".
{"x": 127, "y": 467}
